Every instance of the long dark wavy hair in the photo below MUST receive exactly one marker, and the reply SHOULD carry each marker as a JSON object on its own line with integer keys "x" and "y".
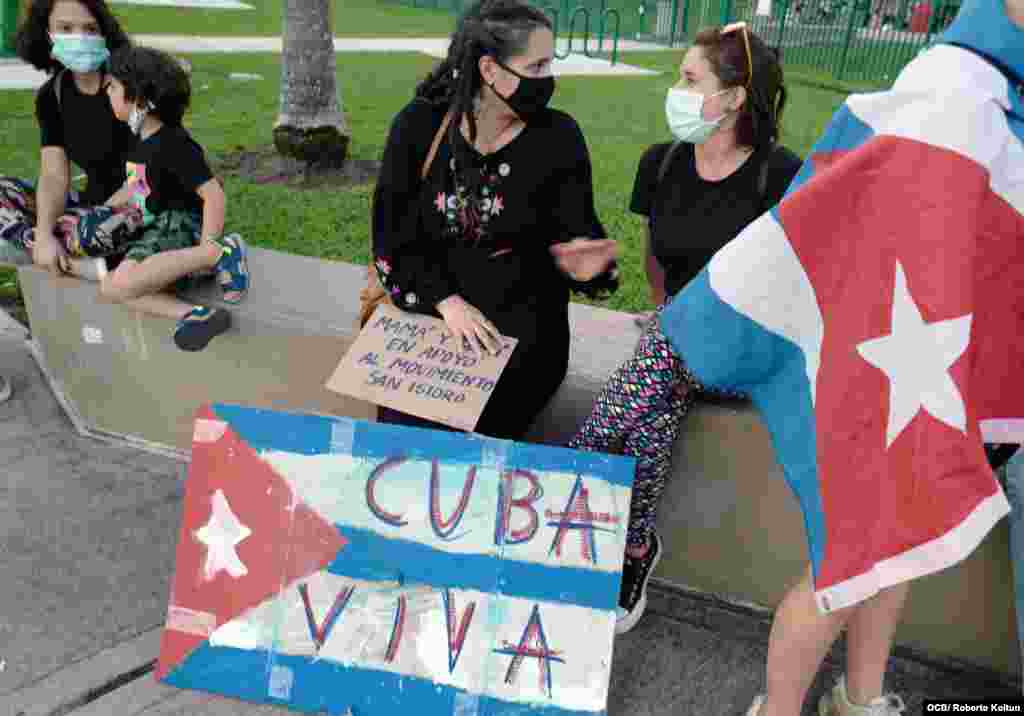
{"x": 499, "y": 28}
{"x": 33, "y": 45}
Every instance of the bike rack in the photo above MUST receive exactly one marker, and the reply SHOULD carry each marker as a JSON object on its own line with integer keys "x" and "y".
{"x": 606, "y": 13}
{"x": 586, "y": 30}
{"x": 615, "y": 36}
{"x": 555, "y": 15}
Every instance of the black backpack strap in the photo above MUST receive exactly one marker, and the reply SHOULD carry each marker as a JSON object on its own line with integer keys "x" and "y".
{"x": 665, "y": 161}
{"x": 762, "y": 177}
{"x": 56, "y": 86}
{"x": 662, "y": 170}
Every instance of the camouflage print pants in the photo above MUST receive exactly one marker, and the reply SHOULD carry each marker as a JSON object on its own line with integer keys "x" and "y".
{"x": 170, "y": 230}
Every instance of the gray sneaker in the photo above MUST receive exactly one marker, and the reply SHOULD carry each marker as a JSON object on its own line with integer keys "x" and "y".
{"x": 837, "y": 703}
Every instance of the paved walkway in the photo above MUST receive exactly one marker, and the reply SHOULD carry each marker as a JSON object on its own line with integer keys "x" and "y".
{"x": 205, "y": 4}
{"x": 15, "y": 74}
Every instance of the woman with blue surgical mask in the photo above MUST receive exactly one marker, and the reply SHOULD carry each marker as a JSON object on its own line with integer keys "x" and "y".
{"x": 724, "y": 167}
{"x": 49, "y": 222}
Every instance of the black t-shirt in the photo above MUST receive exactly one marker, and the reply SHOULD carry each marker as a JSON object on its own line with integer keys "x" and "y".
{"x": 690, "y": 218}
{"x": 92, "y": 137}
{"x": 171, "y": 166}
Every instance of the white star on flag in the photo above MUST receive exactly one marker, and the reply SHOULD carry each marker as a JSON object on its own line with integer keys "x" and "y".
{"x": 221, "y": 534}
{"x": 916, "y": 357}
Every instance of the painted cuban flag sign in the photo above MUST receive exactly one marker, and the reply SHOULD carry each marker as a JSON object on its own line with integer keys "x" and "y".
{"x": 876, "y": 318}
{"x": 327, "y": 564}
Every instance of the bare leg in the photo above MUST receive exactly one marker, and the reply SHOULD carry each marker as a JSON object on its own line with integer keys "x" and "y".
{"x": 869, "y": 637}
{"x": 800, "y": 638}
{"x": 133, "y": 279}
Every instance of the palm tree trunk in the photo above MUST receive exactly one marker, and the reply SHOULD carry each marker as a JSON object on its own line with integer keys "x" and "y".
{"x": 311, "y": 124}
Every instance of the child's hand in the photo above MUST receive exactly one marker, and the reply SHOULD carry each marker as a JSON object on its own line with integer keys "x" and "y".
{"x": 48, "y": 252}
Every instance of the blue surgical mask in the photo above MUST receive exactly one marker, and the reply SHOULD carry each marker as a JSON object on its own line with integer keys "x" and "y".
{"x": 684, "y": 113}
{"x": 79, "y": 53}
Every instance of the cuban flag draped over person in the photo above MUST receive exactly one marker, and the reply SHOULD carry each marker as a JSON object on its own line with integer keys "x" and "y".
{"x": 876, "y": 315}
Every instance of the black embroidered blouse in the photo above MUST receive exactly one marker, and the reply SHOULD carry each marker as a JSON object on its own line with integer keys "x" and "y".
{"x": 431, "y": 241}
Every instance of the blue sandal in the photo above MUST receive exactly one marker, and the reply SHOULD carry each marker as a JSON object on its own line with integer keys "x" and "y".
{"x": 232, "y": 269}
{"x": 199, "y": 326}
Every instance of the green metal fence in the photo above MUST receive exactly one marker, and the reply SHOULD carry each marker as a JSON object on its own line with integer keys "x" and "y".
{"x": 8, "y": 26}
{"x": 849, "y": 40}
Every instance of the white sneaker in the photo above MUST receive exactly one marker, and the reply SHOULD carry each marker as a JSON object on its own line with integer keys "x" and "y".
{"x": 5, "y": 389}
{"x": 837, "y": 703}
{"x": 755, "y": 708}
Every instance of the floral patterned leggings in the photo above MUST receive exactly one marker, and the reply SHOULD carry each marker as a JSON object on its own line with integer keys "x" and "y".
{"x": 639, "y": 413}
{"x": 84, "y": 230}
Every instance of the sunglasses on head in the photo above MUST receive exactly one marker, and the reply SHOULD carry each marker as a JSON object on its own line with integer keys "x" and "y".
{"x": 742, "y": 28}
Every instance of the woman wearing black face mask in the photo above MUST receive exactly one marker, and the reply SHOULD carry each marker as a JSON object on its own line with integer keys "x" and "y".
{"x": 502, "y": 226}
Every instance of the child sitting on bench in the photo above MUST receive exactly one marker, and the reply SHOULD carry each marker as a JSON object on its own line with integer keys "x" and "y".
{"x": 182, "y": 203}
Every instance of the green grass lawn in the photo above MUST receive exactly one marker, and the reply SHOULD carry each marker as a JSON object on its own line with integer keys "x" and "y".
{"x": 352, "y": 18}
{"x": 620, "y": 117}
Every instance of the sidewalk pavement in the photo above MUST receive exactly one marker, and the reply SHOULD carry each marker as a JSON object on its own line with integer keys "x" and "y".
{"x": 15, "y": 74}
{"x": 88, "y": 534}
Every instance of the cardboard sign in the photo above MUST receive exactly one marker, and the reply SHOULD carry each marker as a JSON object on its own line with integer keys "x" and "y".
{"x": 334, "y": 565}
{"x": 411, "y": 363}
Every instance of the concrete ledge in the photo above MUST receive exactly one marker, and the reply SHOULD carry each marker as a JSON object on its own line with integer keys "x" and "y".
{"x": 731, "y": 525}
{"x": 122, "y": 375}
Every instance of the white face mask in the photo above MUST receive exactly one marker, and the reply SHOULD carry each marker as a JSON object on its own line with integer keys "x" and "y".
{"x": 683, "y": 110}
{"x": 137, "y": 115}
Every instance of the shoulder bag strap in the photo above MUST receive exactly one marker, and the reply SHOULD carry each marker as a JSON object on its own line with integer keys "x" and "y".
{"x": 435, "y": 144}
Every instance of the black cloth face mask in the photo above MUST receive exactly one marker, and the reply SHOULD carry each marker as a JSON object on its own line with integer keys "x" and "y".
{"x": 531, "y": 96}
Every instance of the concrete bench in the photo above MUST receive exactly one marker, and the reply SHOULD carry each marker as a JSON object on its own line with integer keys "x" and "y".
{"x": 730, "y": 524}
{"x": 121, "y": 375}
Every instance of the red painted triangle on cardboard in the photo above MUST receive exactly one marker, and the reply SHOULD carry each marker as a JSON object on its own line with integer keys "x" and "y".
{"x": 288, "y": 540}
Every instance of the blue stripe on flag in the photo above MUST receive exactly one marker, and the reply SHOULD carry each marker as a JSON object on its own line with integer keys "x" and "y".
{"x": 845, "y": 131}
{"x": 315, "y": 686}
{"x": 727, "y": 350}
{"x": 271, "y": 430}
{"x": 371, "y": 557}
{"x": 312, "y": 435}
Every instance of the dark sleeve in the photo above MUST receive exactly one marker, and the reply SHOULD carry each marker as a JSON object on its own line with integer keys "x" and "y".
{"x": 647, "y": 179}
{"x": 574, "y": 209}
{"x": 184, "y": 159}
{"x": 783, "y": 166}
{"x": 410, "y": 266}
{"x": 51, "y": 128}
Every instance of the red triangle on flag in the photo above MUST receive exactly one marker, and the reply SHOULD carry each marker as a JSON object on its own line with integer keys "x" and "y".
{"x": 287, "y": 540}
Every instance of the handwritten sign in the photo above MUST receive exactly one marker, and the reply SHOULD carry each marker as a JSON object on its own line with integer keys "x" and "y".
{"x": 411, "y": 363}
{"x": 337, "y": 566}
